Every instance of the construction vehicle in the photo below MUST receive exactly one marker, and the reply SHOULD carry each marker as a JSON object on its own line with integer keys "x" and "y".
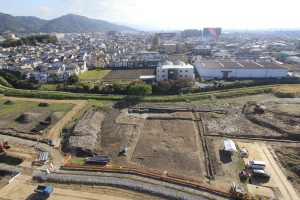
{"x": 258, "y": 108}
{"x": 3, "y": 146}
{"x": 238, "y": 192}
{"x": 44, "y": 190}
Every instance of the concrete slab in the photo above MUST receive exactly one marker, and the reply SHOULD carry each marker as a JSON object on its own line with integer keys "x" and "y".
{"x": 261, "y": 190}
{"x": 254, "y": 154}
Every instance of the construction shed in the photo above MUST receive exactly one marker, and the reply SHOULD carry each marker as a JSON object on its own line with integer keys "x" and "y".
{"x": 229, "y": 145}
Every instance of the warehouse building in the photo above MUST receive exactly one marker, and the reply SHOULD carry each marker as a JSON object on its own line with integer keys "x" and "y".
{"x": 223, "y": 69}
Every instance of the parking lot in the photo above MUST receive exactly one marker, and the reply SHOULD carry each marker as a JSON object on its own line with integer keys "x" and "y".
{"x": 282, "y": 188}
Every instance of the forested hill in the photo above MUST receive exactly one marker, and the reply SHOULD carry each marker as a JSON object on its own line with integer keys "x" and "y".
{"x": 65, "y": 24}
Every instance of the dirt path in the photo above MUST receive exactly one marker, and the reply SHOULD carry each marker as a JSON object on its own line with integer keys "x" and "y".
{"x": 260, "y": 151}
{"x": 280, "y": 178}
{"x": 56, "y": 129}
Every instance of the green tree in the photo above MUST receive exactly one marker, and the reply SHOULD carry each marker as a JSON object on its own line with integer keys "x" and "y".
{"x": 74, "y": 78}
{"x": 140, "y": 89}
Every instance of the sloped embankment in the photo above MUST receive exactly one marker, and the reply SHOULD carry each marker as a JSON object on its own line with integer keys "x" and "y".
{"x": 82, "y": 138}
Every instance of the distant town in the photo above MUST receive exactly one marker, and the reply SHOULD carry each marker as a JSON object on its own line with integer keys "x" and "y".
{"x": 102, "y": 111}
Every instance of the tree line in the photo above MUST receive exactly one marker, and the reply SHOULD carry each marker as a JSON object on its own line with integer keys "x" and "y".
{"x": 29, "y": 40}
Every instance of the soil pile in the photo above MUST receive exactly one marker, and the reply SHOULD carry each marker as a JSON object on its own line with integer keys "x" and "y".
{"x": 44, "y": 104}
{"x": 287, "y": 92}
{"x": 28, "y": 117}
{"x": 82, "y": 138}
{"x": 56, "y": 116}
{"x": 9, "y": 102}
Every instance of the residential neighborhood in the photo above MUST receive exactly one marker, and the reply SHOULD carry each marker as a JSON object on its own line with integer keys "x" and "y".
{"x": 77, "y": 53}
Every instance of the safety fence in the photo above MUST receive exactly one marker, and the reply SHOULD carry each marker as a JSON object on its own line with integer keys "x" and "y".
{"x": 67, "y": 179}
{"x": 165, "y": 177}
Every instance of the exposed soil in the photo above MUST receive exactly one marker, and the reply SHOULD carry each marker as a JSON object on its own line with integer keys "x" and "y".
{"x": 82, "y": 138}
{"x": 176, "y": 138}
{"x": 10, "y": 160}
{"x": 289, "y": 157}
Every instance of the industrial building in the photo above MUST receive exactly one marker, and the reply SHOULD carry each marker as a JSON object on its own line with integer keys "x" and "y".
{"x": 165, "y": 35}
{"x": 156, "y": 41}
{"x": 191, "y": 33}
{"x": 173, "y": 70}
{"x": 212, "y": 32}
{"x": 223, "y": 69}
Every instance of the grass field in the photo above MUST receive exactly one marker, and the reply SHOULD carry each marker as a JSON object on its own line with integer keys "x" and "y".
{"x": 27, "y": 106}
{"x": 93, "y": 75}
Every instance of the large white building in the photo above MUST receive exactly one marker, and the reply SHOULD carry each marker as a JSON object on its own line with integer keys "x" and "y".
{"x": 168, "y": 70}
{"x": 239, "y": 69}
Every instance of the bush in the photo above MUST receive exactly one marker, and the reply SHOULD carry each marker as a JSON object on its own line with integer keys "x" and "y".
{"x": 4, "y": 82}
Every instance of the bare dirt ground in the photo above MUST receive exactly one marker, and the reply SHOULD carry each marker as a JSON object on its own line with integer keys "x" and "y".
{"x": 56, "y": 129}
{"x": 186, "y": 140}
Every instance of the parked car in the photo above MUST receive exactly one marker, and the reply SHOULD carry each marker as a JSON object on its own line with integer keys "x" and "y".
{"x": 255, "y": 164}
{"x": 260, "y": 173}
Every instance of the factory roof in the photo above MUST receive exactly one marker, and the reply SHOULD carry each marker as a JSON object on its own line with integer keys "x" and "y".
{"x": 237, "y": 64}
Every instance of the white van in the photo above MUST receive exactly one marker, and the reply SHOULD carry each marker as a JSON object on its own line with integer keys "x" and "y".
{"x": 255, "y": 164}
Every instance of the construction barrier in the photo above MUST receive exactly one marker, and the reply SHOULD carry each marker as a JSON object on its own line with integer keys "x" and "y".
{"x": 127, "y": 183}
{"x": 144, "y": 173}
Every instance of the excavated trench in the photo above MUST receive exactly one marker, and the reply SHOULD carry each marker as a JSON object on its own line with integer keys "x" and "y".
{"x": 10, "y": 160}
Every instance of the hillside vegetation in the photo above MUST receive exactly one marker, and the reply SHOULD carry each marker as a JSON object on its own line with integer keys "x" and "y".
{"x": 65, "y": 24}
{"x": 30, "y": 40}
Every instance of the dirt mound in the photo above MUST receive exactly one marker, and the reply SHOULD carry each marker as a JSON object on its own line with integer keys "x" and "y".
{"x": 44, "y": 104}
{"x": 287, "y": 92}
{"x": 9, "y": 102}
{"x": 56, "y": 116}
{"x": 28, "y": 117}
{"x": 81, "y": 140}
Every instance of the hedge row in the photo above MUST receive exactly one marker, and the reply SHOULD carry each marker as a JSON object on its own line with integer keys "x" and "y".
{"x": 195, "y": 97}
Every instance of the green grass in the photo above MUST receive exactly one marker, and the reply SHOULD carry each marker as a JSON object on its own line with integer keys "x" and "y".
{"x": 93, "y": 74}
{"x": 218, "y": 104}
{"x": 215, "y": 115}
{"x": 23, "y": 106}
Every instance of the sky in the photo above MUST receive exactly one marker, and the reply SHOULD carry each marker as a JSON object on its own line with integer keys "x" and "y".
{"x": 168, "y": 14}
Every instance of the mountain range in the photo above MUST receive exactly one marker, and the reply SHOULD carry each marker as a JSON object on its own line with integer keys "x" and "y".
{"x": 65, "y": 24}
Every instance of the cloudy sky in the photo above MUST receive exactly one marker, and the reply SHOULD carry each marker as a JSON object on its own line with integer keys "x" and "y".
{"x": 170, "y": 14}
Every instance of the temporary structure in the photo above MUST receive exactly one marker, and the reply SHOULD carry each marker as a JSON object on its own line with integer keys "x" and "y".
{"x": 229, "y": 146}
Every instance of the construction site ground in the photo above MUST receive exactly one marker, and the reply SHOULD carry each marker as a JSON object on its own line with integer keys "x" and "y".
{"x": 185, "y": 140}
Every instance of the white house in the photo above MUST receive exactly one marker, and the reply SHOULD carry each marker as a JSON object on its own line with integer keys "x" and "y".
{"x": 223, "y": 69}
{"x": 168, "y": 70}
